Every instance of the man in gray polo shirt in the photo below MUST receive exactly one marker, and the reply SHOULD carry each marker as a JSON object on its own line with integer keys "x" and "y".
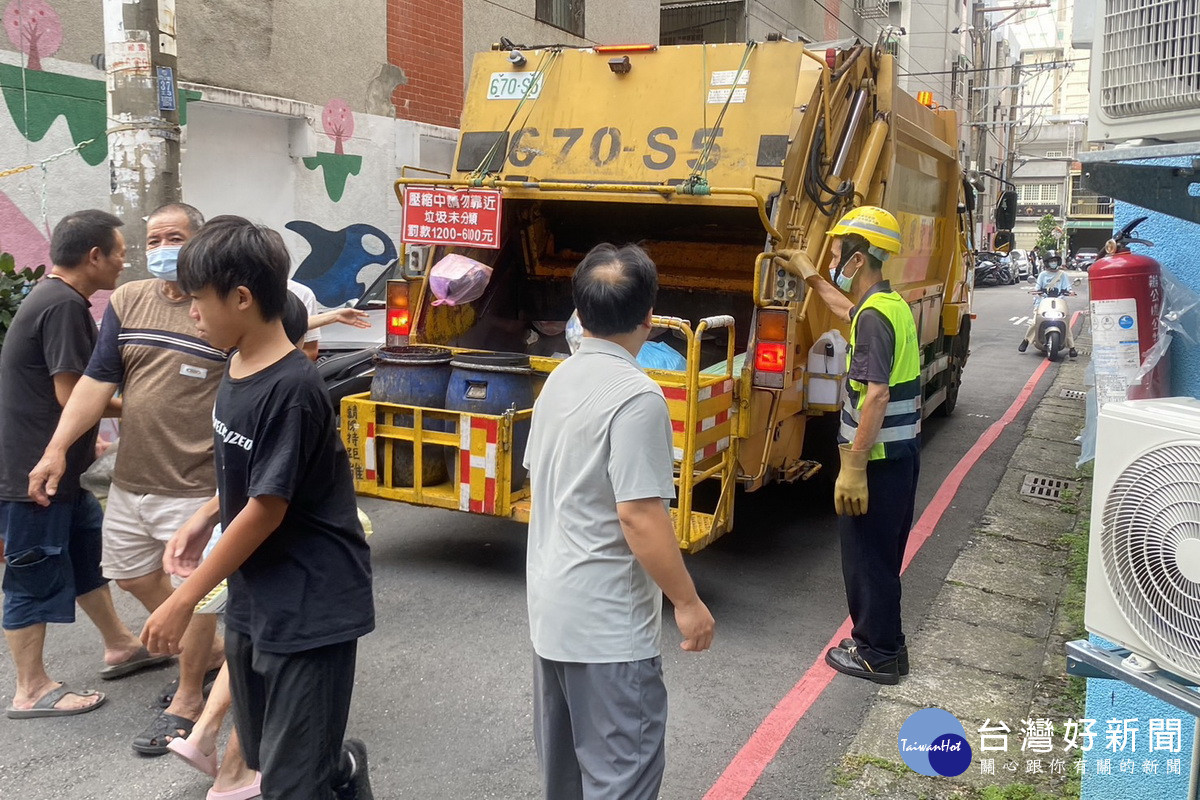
{"x": 602, "y": 550}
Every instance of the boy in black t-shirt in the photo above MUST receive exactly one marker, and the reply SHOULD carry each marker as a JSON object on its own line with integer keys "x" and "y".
{"x": 293, "y": 550}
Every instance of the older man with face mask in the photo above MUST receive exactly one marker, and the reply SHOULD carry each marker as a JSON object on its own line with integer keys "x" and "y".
{"x": 148, "y": 346}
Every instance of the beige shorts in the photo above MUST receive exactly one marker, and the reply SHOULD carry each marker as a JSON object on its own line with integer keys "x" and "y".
{"x": 137, "y": 528}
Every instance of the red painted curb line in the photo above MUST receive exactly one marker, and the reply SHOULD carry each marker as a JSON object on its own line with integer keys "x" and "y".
{"x": 760, "y": 750}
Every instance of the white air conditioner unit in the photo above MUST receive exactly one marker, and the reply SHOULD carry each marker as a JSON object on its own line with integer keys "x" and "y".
{"x": 1143, "y": 584}
{"x": 1145, "y": 72}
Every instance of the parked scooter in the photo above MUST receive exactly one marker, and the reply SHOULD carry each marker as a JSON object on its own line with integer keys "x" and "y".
{"x": 992, "y": 269}
{"x": 347, "y": 374}
{"x": 1050, "y": 321}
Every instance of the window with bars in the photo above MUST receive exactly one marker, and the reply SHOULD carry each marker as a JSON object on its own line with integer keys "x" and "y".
{"x": 566, "y": 15}
{"x": 1038, "y": 193}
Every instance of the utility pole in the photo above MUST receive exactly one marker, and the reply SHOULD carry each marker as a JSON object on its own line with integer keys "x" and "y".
{"x": 143, "y": 118}
{"x": 981, "y": 39}
{"x": 1014, "y": 95}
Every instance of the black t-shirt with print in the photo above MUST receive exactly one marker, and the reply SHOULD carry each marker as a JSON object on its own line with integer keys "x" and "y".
{"x": 52, "y": 332}
{"x": 308, "y": 584}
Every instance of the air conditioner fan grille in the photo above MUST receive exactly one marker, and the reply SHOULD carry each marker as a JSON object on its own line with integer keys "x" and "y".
{"x": 1150, "y": 544}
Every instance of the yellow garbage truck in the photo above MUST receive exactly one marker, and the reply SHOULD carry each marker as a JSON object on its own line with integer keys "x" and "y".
{"x": 711, "y": 157}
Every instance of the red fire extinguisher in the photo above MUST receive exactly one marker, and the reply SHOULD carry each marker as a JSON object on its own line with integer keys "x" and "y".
{"x": 1127, "y": 297}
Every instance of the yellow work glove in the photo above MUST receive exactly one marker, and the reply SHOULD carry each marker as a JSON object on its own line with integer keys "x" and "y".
{"x": 850, "y": 491}
{"x": 797, "y": 262}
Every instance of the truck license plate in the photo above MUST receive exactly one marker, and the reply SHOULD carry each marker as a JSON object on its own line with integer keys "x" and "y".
{"x": 514, "y": 85}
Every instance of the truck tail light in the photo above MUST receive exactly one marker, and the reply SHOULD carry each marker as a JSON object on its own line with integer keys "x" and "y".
{"x": 770, "y": 356}
{"x": 771, "y": 348}
{"x": 399, "y": 321}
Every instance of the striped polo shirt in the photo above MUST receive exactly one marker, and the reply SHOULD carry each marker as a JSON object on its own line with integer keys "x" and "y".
{"x": 169, "y": 377}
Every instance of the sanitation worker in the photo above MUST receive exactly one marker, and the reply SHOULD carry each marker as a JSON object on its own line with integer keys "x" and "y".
{"x": 879, "y": 438}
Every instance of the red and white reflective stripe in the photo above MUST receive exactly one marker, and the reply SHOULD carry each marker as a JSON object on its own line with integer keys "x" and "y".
{"x": 708, "y": 423}
{"x": 680, "y": 394}
{"x": 478, "y": 468}
{"x": 706, "y": 452}
{"x": 369, "y": 451}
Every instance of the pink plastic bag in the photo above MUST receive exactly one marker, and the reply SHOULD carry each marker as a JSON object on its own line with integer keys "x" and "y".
{"x": 457, "y": 279}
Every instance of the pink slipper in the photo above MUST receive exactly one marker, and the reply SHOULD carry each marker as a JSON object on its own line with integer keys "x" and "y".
{"x": 192, "y": 755}
{"x": 244, "y": 793}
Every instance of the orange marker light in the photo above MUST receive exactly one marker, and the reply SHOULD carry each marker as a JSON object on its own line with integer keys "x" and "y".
{"x": 625, "y": 48}
{"x": 925, "y": 99}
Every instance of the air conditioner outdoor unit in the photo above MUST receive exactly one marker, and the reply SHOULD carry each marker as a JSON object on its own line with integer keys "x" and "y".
{"x": 1145, "y": 72}
{"x": 1143, "y": 584}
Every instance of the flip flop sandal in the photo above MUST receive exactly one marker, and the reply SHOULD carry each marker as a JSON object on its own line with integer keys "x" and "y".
{"x": 167, "y": 695}
{"x": 44, "y": 707}
{"x": 153, "y": 741}
{"x": 140, "y": 660}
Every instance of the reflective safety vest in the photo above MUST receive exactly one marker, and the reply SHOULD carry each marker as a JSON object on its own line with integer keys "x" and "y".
{"x": 901, "y": 429}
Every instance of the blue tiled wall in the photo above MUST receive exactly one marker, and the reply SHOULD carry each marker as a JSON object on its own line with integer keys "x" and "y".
{"x": 1177, "y": 248}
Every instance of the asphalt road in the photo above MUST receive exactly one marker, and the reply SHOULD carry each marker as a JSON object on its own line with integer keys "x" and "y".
{"x": 443, "y": 688}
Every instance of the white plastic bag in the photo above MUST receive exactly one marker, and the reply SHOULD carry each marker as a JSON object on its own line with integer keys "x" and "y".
{"x": 457, "y": 279}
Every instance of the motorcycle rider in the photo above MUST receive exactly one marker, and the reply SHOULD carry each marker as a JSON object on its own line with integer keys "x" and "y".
{"x": 1050, "y": 276}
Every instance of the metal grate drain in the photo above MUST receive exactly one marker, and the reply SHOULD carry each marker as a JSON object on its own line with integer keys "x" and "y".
{"x": 1073, "y": 394}
{"x": 1042, "y": 487}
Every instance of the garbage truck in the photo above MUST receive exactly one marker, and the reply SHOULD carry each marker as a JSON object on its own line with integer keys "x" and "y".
{"x": 712, "y": 157}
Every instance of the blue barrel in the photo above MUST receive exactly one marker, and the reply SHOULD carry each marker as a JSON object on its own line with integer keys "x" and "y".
{"x": 492, "y": 383}
{"x": 413, "y": 376}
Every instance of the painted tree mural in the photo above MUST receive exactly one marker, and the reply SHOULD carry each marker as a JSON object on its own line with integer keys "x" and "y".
{"x": 336, "y": 167}
{"x": 34, "y": 28}
{"x": 338, "y": 120}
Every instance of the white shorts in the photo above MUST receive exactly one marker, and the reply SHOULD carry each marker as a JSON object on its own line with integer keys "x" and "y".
{"x": 137, "y": 528}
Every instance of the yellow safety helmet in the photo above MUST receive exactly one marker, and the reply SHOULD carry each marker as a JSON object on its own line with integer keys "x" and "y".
{"x": 872, "y": 223}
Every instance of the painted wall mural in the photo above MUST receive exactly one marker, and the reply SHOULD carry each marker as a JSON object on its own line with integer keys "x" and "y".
{"x": 34, "y": 28}
{"x": 51, "y": 103}
{"x": 337, "y": 167}
{"x": 332, "y": 267}
{"x": 21, "y": 237}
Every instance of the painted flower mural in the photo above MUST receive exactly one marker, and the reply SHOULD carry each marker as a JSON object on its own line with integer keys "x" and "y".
{"x": 337, "y": 167}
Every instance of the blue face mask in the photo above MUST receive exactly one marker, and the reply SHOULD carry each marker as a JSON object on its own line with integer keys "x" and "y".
{"x": 843, "y": 281}
{"x": 162, "y": 262}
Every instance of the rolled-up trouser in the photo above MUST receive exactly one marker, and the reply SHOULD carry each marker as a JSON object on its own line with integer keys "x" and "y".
{"x": 52, "y": 556}
{"x": 600, "y": 729}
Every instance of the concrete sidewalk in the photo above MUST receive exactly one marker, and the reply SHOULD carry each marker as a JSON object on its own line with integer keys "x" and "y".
{"x": 990, "y": 648}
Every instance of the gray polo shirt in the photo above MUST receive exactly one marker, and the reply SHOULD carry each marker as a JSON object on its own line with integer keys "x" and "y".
{"x": 601, "y": 435}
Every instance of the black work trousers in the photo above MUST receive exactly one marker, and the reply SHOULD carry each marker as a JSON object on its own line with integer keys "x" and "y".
{"x": 872, "y": 552}
{"x": 291, "y": 712}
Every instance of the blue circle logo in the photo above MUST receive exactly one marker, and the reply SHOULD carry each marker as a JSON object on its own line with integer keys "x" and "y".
{"x": 1125, "y": 322}
{"x": 933, "y": 742}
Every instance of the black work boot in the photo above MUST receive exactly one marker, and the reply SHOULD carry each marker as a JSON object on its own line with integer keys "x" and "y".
{"x": 848, "y": 662}
{"x": 1023, "y": 346}
{"x": 359, "y": 785}
{"x": 1072, "y": 353}
{"x": 901, "y": 660}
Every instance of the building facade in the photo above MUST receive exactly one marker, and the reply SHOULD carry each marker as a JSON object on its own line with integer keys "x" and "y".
{"x": 1051, "y": 130}
{"x": 928, "y": 54}
{"x": 291, "y": 115}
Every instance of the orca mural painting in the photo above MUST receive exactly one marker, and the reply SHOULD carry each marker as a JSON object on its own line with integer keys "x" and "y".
{"x": 336, "y": 258}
